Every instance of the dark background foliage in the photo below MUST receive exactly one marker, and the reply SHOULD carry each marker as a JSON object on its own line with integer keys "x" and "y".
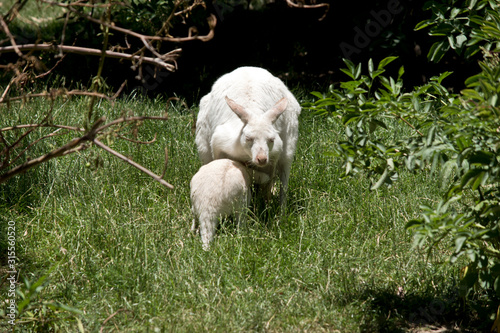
{"x": 293, "y": 43}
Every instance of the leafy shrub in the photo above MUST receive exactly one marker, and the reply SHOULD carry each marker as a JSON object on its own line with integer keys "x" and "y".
{"x": 455, "y": 134}
{"x": 463, "y": 26}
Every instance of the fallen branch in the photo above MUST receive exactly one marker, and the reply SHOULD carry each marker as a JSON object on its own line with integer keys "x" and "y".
{"x": 134, "y": 164}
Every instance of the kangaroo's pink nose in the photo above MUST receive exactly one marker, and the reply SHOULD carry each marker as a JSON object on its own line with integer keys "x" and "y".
{"x": 261, "y": 160}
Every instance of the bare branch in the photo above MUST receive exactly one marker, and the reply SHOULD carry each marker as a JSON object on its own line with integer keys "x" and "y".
{"x": 5, "y": 29}
{"x": 70, "y": 146}
{"x": 14, "y": 10}
{"x": 127, "y": 119}
{"x": 137, "y": 141}
{"x": 75, "y": 145}
{"x": 301, "y": 4}
{"x": 55, "y": 93}
{"x": 119, "y": 91}
{"x": 50, "y": 70}
{"x": 134, "y": 164}
{"x": 31, "y": 145}
{"x": 41, "y": 125}
{"x": 171, "y": 56}
{"x": 190, "y": 8}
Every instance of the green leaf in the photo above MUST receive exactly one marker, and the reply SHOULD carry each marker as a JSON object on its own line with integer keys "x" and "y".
{"x": 496, "y": 285}
{"x": 384, "y": 62}
{"x": 437, "y": 51}
{"x": 468, "y": 281}
{"x": 370, "y": 67}
{"x": 472, "y": 4}
{"x": 443, "y": 76}
{"x": 375, "y": 122}
{"x": 459, "y": 243}
{"x": 357, "y": 73}
{"x": 349, "y": 64}
{"x": 348, "y": 73}
{"x": 480, "y": 179}
{"x": 460, "y": 40}
{"x": 385, "y": 174}
{"x": 401, "y": 72}
{"x": 470, "y": 176}
{"x": 454, "y": 12}
{"x": 317, "y": 94}
{"x": 424, "y": 24}
{"x": 57, "y": 305}
{"x": 430, "y": 136}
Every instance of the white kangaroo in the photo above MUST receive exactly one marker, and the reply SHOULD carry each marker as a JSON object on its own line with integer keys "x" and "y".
{"x": 250, "y": 116}
{"x": 220, "y": 188}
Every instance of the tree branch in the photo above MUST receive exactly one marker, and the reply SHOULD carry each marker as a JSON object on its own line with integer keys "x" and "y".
{"x": 70, "y": 146}
{"x": 301, "y": 4}
{"x": 134, "y": 164}
{"x": 171, "y": 56}
{"x": 54, "y": 93}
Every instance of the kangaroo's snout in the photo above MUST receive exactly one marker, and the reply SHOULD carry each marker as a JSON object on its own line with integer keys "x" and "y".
{"x": 261, "y": 160}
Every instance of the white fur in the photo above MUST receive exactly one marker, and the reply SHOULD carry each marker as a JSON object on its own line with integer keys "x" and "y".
{"x": 219, "y": 189}
{"x": 250, "y": 116}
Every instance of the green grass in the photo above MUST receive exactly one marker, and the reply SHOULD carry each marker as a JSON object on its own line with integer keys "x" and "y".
{"x": 112, "y": 241}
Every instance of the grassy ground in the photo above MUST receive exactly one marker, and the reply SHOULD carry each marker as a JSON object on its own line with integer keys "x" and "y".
{"x": 116, "y": 245}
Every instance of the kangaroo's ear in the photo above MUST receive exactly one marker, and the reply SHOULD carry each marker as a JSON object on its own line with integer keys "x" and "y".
{"x": 238, "y": 109}
{"x": 277, "y": 109}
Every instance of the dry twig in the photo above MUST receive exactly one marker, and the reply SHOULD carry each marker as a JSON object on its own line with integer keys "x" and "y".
{"x": 134, "y": 164}
{"x": 301, "y": 4}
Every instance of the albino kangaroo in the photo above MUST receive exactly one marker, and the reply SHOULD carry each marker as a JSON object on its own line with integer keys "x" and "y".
{"x": 250, "y": 116}
{"x": 220, "y": 188}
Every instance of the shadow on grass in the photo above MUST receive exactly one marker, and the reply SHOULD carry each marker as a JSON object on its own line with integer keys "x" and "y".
{"x": 397, "y": 312}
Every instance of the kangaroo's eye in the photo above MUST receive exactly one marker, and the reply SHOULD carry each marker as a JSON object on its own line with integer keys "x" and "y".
{"x": 271, "y": 140}
{"x": 249, "y": 138}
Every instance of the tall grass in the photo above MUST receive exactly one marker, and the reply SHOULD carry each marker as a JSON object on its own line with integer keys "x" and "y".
{"x": 116, "y": 245}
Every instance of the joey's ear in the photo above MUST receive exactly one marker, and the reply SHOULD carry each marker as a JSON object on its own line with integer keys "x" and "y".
{"x": 238, "y": 109}
{"x": 277, "y": 109}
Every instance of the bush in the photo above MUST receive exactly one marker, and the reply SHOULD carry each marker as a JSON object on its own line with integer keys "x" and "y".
{"x": 465, "y": 27}
{"x": 456, "y": 135}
